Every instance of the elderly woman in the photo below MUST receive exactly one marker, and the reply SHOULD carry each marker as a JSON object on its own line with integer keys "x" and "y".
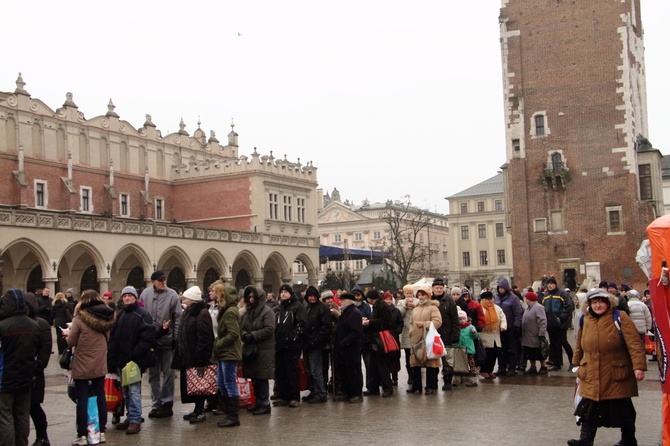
{"x": 425, "y": 312}
{"x": 405, "y": 306}
{"x": 258, "y": 335}
{"x": 89, "y": 335}
{"x": 495, "y": 323}
{"x": 228, "y": 350}
{"x": 533, "y": 334}
{"x": 194, "y": 347}
{"x": 611, "y": 360}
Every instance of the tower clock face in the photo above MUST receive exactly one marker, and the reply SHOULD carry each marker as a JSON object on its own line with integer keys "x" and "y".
{"x": 337, "y": 215}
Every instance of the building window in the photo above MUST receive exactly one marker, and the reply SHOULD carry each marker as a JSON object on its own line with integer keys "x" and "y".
{"x": 481, "y": 231}
{"x": 498, "y": 205}
{"x": 614, "y": 221}
{"x": 480, "y": 206}
{"x": 540, "y": 225}
{"x": 40, "y": 194}
{"x": 274, "y": 206}
{"x": 465, "y": 232}
{"x": 645, "y": 182}
{"x": 483, "y": 258}
{"x": 124, "y": 205}
{"x": 501, "y": 257}
{"x": 466, "y": 258}
{"x": 516, "y": 145}
{"x": 500, "y": 230}
{"x": 160, "y": 206}
{"x": 299, "y": 267}
{"x": 377, "y": 235}
{"x": 300, "y": 209}
{"x": 287, "y": 208}
{"x": 85, "y": 194}
{"x": 539, "y": 125}
{"x": 338, "y": 238}
{"x": 339, "y": 266}
{"x": 464, "y": 208}
{"x": 557, "y": 223}
{"x": 359, "y": 264}
{"x": 358, "y": 236}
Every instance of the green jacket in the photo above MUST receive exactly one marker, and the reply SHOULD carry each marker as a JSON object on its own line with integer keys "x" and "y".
{"x": 228, "y": 344}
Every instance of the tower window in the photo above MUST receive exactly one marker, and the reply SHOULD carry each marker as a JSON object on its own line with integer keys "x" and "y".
{"x": 645, "y": 182}
{"x": 539, "y": 125}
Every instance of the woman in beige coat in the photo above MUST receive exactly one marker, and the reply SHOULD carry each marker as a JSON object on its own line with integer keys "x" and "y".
{"x": 425, "y": 312}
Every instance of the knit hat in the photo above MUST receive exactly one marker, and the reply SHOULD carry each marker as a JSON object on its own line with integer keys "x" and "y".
{"x": 286, "y": 287}
{"x": 193, "y": 294}
{"x": 129, "y": 290}
{"x": 425, "y": 288}
{"x": 612, "y": 285}
{"x": 602, "y": 284}
{"x": 625, "y": 287}
{"x": 531, "y": 296}
{"x": 312, "y": 291}
{"x": 373, "y": 294}
{"x": 552, "y": 280}
{"x": 462, "y": 313}
{"x": 70, "y": 290}
{"x": 464, "y": 292}
{"x": 438, "y": 282}
{"x": 108, "y": 294}
{"x": 486, "y": 295}
{"x": 326, "y": 294}
{"x": 455, "y": 290}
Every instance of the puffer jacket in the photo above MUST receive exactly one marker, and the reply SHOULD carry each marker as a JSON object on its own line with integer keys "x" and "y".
{"x": 259, "y": 322}
{"x": 639, "y": 313}
{"x": 606, "y": 363}
{"x": 228, "y": 344}
{"x": 427, "y": 312}
{"x": 89, "y": 335}
{"x": 19, "y": 335}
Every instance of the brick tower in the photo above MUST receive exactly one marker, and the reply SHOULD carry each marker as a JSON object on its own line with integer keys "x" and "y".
{"x": 582, "y": 181}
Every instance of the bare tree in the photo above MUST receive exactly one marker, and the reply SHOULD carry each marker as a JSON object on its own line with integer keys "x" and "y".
{"x": 407, "y": 254}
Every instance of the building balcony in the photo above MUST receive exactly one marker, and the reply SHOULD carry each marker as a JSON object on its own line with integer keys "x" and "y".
{"x": 555, "y": 175}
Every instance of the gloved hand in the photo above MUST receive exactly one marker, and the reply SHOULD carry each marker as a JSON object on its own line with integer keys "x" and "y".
{"x": 247, "y": 338}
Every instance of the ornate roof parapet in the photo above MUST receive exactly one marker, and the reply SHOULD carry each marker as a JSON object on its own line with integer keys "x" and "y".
{"x": 110, "y": 110}
{"x": 182, "y": 126}
{"x": 69, "y": 100}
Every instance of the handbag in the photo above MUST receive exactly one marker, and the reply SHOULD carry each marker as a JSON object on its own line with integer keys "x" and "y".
{"x": 303, "y": 379}
{"x": 386, "y": 342}
{"x": 201, "y": 380}
{"x": 457, "y": 358}
{"x": 434, "y": 346}
{"x": 419, "y": 348}
{"x": 544, "y": 347}
{"x": 65, "y": 360}
{"x": 250, "y": 351}
{"x": 480, "y": 353}
{"x": 113, "y": 393}
{"x": 649, "y": 343}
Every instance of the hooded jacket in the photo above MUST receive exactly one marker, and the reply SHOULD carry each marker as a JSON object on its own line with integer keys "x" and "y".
{"x": 510, "y": 304}
{"x": 290, "y": 327}
{"x": 228, "y": 344}
{"x": 318, "y": 323}
{"x": 19, "y": 335}
{"x": 89, "y": 335}
{"x": 259, "y": 322}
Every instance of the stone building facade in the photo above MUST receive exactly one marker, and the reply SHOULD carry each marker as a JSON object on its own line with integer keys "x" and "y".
{"x": 582, "y": 181}
{"x": 97, "y": 203}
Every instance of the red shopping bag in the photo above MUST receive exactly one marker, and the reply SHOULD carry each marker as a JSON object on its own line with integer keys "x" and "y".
{"x": 438, "y": 346}
{"x": 245, "y": 389}
{"x": 113, "y": 393}
{"x": 303, "y": 379}
{"x": 649, "y": 344}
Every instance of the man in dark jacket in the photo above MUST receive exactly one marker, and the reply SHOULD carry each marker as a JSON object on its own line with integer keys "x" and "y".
{"x": 366, "y": 311}
{"x": 450, "y": 330}
{"x": 19, "y": 337}
{"x": 558, "y": 306}
{"x": 510, "y": 339}
{"x": 381, "y": 319}
{"x": 45, "y": 306}
{"x": 131, "y": 339}
{"x": 347, "y": 353}
{"x": 317, "y": 334}
{"x": 43, "y": 355}
{"x": 289, "y": 336}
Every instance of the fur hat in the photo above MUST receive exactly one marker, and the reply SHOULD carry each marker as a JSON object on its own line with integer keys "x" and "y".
{"x": 193, "y": 294}
{"x": 129, "y": 290}
{"x": 531, "y": 296}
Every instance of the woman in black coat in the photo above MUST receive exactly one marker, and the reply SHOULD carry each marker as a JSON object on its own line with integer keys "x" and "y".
{"x": 62, "y": 315}
{"x": 348, "y": 342}
{"x": 195, "y": 341}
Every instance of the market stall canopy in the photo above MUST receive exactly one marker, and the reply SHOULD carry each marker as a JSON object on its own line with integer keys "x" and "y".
{"x": 329, "y": 253}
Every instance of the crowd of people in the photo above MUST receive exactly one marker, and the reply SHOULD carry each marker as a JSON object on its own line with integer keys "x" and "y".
{"x": 330, "y": 335}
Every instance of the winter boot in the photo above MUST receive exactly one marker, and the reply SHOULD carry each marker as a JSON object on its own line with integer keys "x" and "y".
{"x": 447, "y": 382}
{"x": 627, "y": 438}
{"x": 232, "y": 418}
{"x": 220, "y": 405}
{"x": 586, "y": 436}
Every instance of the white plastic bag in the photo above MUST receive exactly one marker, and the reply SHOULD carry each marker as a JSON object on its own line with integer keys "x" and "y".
{"x": 434, "y": 346}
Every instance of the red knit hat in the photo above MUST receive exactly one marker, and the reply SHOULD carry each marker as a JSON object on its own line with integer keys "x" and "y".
{"x": 531, "y": 296}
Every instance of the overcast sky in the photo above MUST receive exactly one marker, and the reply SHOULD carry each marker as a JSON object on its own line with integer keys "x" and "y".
{"x": 386, "y": 98}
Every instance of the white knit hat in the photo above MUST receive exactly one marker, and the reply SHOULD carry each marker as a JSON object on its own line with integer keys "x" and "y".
{"x": 193, "y": 294}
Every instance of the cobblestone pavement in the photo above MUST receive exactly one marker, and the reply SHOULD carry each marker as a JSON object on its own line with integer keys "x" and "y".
{"x": 519, "y": 410}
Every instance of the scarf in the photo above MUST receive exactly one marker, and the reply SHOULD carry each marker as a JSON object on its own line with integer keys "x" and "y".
{"x": 491, "y": 315}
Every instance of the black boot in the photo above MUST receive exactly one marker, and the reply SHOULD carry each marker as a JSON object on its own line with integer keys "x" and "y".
{"x": 232, "y": 418}
{"x": 586, "y": 436}
{"x": 220, "y": 406}
{"x": 447, "y": 382}
{"x": 627, "y": 438}
{"x": 415, "y": 373}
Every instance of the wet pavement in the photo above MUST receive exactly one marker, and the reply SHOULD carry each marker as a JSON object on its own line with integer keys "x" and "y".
{"x": 519, "y": 410}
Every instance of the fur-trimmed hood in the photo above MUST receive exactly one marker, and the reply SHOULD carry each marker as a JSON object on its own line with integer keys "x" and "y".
{"x": 99, "y": 317}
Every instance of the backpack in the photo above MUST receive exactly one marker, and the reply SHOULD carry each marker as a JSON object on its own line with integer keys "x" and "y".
{"x": 616, "y": 318}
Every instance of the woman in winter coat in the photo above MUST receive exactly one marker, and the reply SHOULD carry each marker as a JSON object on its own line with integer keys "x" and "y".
{"x": 611, "y": 360}
{"x": 62, "y": 315}
{"x": 425, "y": 312}
{"x": 533, "y": 334}
{"x": 89, "y": 335}
{"x": 258, "y": 335}
{"x": 406, "y": 306}
{"x": 195, "y": 341}
{"x": 228, "y": 350}
{"x": 496, "y": 323}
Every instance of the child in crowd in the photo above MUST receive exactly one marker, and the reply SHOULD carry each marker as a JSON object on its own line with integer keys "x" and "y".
{"x": 467, "y": 341}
